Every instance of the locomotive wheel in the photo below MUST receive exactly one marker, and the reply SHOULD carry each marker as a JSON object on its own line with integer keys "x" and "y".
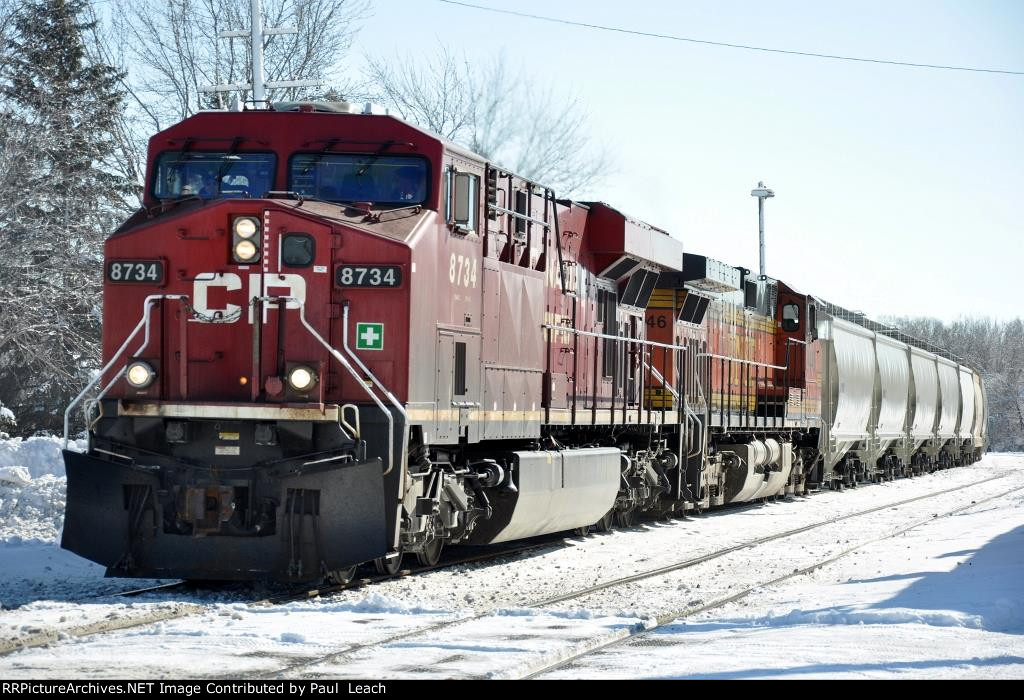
{"x": 388, "y": 565}
{"x": 341, "y": 577}
{"x": 431, "y": 553}
{"x": 605, "y": 523}
{"x": 625, "y": 518}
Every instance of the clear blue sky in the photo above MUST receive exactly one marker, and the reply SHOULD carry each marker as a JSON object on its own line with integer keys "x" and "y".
{"x": 898, "y": 190}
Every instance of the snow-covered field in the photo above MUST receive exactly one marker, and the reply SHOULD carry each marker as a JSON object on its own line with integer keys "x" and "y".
{"x": 942, "y": 599}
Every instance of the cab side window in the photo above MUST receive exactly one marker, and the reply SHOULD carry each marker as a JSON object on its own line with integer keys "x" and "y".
{"x": 790, "y": 318}
{"x": 462, "y": 201}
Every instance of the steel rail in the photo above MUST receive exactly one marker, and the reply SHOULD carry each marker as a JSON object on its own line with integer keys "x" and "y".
{"x": 435, "y": 627}
{"x": 48, "y": 637}
{"x": 671, "y": 616}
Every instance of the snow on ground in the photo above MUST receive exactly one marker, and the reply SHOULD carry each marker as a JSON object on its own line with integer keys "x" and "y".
{"x": 943, "y": 600}
{"x": 32, "y": 495}
{"x": 32, "y": 488}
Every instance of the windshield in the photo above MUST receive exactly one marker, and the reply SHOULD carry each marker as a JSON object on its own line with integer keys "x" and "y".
{"x": 359, "y": 178}
{"x": 210, "y": 175}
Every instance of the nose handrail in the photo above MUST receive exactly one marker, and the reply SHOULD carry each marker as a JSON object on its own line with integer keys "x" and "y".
{"x": 147, "y": 306}
{"x": 383, "y": 389}
{"x": 344, "y": 363}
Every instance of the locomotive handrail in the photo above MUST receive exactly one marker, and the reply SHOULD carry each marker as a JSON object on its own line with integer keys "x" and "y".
{"x": 344, "y": 363}
{"x": 657, "y": 375}
{"x": 143, "y": 323}
{"x": 743, "y": 362}
{"x": 103, "y": 392}
{"x": 620, "y": 338}
{"x": 517, "y": 215}
{"x": 391, "y": 397}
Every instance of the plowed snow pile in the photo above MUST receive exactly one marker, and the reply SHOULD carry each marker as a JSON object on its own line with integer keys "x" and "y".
{"x": 32, "y": 490}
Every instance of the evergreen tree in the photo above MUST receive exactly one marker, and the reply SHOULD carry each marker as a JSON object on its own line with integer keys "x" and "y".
{"x": 63, "y": 197}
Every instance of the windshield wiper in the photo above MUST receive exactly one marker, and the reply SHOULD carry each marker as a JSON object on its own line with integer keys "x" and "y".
{"x": 373, "y": 158}
{"x": 320, "y": 156}
{"x": 230, "y": 159}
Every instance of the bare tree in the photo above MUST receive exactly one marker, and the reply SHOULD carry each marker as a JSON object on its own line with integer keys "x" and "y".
{"x": 505, "y": 115}
{"x": 174, "y": 49}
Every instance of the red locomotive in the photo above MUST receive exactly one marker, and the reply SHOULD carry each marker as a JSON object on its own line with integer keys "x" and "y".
{"x": 333, "y": 338}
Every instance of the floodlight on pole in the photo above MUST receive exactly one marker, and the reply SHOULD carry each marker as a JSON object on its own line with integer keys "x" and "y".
{"x": 762, "y": 193}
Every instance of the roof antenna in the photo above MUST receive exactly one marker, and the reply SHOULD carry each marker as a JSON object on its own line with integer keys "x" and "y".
{"x": 258, "y": 86}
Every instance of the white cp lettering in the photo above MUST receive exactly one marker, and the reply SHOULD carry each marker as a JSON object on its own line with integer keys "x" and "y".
{"x": 229, "y": 281}
{"x": 272, "y": 285}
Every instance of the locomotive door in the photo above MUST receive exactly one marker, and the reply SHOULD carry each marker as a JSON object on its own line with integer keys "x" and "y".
{"x": 457, "y": 388}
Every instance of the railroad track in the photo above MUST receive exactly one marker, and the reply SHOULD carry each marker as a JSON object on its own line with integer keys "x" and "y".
{"x": 176, "y": 610}
{"x": 681, "y": 613}
{"x": 349, "y": 651}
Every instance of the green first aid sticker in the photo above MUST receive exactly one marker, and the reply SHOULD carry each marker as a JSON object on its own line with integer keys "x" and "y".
{"x": 369, "y": 336}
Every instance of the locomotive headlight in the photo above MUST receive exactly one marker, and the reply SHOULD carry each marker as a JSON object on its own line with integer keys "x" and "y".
{"x": 246, "y": 227}
{"x": 246, "y": 251}
{"x": 302, "y": 379}
{"x": 140, "y": 374}
{"x": 245, "y": 239}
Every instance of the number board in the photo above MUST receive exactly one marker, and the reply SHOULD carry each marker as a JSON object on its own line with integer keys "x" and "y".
{"x": 135, "y": 271}
{"x": 368, "y": 276}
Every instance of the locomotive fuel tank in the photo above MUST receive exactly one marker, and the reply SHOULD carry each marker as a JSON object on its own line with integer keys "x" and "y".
{"x": 555, "y": 491}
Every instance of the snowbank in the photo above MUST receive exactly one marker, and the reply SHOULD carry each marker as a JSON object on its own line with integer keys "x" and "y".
{"x": 39, "y": 455}
{"x": 32, "y": 512}
{"x": 32, "y": 490}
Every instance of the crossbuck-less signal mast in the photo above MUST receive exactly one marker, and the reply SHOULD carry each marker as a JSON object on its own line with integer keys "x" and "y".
{"x": 259, "y": 85}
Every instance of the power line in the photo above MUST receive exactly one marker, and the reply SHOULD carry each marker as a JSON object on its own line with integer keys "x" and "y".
{"x": 672, "y": 37}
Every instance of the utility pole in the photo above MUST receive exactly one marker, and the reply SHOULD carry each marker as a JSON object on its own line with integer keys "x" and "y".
{"x": 259, "y": 85}
{"x": 762, "y": 193}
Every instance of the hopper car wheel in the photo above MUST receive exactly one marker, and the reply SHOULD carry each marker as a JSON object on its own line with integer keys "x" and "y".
{"x": 605, "y": 523}
{"x": 388, "y": 565}
{"x": 431, "y": 553}
{"x": 341, "y": 577}
{"x": 581, "y": 531}
{"x": 625, "y": 518}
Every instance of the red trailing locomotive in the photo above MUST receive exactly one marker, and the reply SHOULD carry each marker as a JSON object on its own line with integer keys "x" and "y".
{"x": 332, "y": 338}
